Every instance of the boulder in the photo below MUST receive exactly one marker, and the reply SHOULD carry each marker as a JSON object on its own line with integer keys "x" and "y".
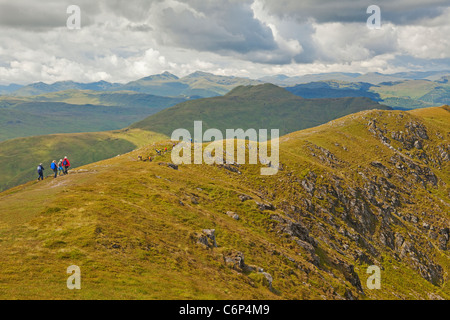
{"x": 207, "y": 238}
{"x": 235, "y": 259}
{"x": 233, "y": 215}
{"x": 244, "y": 197}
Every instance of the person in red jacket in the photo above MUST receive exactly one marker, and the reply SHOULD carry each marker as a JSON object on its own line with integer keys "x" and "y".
{"x": 66, "y": 165}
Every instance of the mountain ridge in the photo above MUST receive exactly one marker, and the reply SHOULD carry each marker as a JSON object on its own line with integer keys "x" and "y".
{"x": 352, "y": 193}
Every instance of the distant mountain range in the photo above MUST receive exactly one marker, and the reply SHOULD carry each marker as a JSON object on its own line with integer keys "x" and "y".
{"x": 372, "y": 77}
{"x": 196, "y": 85}
{"x": 203, "y": 84}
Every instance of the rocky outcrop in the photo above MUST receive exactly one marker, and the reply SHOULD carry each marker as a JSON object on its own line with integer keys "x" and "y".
{"x": 298, "y": 233}
{"x": 265, "y": 206}
{"x": 244, "y": 197}
{"x": 230, "y": 167}
{"x": 348, "y": 270}
{"x": 170, "y": 165}
{"x": 206, "y": 238}
{"x": 324, "y": 156}
{"x": 236, "y": 260}
{"x": 233, "y": 215}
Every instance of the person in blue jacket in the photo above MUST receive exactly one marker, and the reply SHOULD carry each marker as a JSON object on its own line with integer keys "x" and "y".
{"x": 40, "y": 170}
{"x": 54, "y": 167}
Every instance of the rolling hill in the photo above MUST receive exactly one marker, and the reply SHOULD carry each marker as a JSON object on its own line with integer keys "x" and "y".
{"x": 22, "y": 117}
{"x": 369, "y": 189}
{"x": 334, "y": 89}
{"x": 400, "y": 95}
{"x": 116, "y": 98}
{"x": 20, "y": 157}
{"x": 42, "y": 88}
{"x": 262, "y": 106}
{"x": 373, "y": 78}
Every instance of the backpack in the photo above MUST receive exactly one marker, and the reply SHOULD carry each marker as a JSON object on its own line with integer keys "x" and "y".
{"x": 39, "y": 168}
{"x": 53, "y": 166}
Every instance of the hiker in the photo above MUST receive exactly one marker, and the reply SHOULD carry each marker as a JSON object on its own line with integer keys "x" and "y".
{"x": 40, "y": 170}
{"x": 60, "y": 167}
{"x": 158, "y": 151}
{"x": 66, "y": 165}
{"x": 54, "y": 167}
{"x": 150, "y": 159}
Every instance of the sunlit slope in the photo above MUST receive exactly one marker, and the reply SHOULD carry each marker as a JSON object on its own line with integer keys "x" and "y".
{"x": 367, "y": 189}
{"x": 20, "y": 157}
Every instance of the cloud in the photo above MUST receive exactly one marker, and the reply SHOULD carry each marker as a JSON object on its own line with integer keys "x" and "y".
{"x": 399, "y": 12}
{"x": 123, "y": 40}
{"x": 427, "y": 41}
{"x": 43, "y": 15}
{"x": 230, "y": 29}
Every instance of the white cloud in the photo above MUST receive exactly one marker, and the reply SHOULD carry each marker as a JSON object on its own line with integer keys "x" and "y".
{"x": 122, "y": 41}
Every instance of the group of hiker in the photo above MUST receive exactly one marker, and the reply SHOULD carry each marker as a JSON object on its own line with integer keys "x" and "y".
{"x": 60, "y": 168}
{"x": 159, "y": 152}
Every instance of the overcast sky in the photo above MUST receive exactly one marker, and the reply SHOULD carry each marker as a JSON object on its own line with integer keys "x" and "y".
{"x": 121, "y": 41}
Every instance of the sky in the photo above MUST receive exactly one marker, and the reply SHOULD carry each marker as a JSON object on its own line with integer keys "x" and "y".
{"x": 121, "y": 41}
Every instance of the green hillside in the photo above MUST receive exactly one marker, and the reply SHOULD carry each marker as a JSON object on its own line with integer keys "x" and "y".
{"x": 128, "y": 99}
{"x": 22, "y": 117}
{"x": 263, "y": 106}
{"x": 371, "y": 188}
{"x": 413, "y": 94}
{"x": 42, "y": 88}
{"x": 20, "y": 157}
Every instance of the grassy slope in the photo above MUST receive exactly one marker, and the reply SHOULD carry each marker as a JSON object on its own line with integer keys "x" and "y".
{"x": 413, "y": 89}
{"x": 413, "y": 94}
{"x": 51, "y": 114}
{"x": 263, "y": 106}
{"x": 116, "y": 98}
{"x": 122, "y": 222}
{"x": 19, "y": 157}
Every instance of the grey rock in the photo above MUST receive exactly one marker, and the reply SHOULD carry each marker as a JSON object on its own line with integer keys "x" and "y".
{"x": 233, "y": 215}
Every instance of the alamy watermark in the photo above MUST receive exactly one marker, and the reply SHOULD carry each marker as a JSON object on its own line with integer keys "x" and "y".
{"x": 374, "y": 281}
{"x": 74, "y": 281}
{"x": 374, "y": 21}
{"x": 214, "y": 153}
{"x": 74, "y": 20}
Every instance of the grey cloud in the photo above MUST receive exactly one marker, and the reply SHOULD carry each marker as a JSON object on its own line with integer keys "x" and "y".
{"x": 230, "y": 29}
{"x": 135, "y": 11}
{"x": 322, "y": 11}
{"x": 43, "y": 15}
